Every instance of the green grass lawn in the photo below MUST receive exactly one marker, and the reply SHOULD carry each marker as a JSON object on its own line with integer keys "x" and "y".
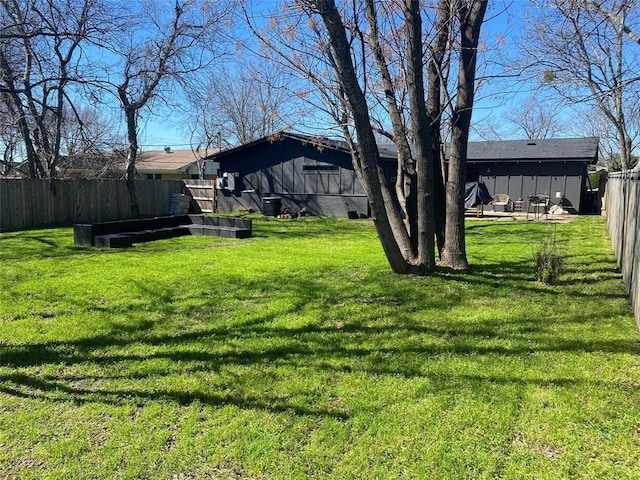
{"x": 297, "y": 354}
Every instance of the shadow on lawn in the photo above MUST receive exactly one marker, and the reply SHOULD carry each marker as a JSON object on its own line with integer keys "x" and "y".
{"x": 324, "y": 349}
{"x": 518, "y": 277}
{"x": 122, "y": 367}
{"x": 377, "y": 325}
{"x": 30, "y": 386}
{"x": 39, "y": 244}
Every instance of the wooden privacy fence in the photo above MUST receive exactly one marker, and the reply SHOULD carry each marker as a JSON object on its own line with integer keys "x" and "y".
{"x": 203, "y": 193}
{"x": 27, "y": 203}
{"x": 623, "y": 223}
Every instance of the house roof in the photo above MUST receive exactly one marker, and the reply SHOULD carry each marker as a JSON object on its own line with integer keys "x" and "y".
{"x": 165, "y": 161}
{"x": 569, "y": 149}
{"x": 564, "y": 149}
{"x": 317, "y": 141}
{"x": 91, "y": 161}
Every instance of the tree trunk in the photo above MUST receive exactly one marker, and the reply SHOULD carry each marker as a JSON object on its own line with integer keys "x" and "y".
{"x": 15, "y": 106}
{"x": 434, "y": 111}
{"x": 406, "y": 182}
{"x": 625, "y": 146}
{"x": 385, "y": 207}
{"x": 132, "y": 155}
{"x": 454, "y": 253}
{"x": 423, "y": 138}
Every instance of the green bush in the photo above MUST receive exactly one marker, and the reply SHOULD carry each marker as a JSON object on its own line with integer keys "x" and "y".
{"x": 548, "y": 261}
{"x": 594, "y": 179}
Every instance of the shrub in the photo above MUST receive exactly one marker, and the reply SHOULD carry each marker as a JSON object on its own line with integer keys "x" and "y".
{"x": 547, "y": 259}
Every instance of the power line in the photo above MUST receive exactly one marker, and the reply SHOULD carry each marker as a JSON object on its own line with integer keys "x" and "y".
{"x": 167, "y": 144}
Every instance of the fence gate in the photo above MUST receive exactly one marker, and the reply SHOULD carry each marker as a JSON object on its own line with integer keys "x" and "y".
{"x": 203, "y": 193}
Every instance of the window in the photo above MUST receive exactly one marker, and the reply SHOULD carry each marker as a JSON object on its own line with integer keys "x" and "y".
{"x": 154, "y": 176}
{"x": 321, "y": 168}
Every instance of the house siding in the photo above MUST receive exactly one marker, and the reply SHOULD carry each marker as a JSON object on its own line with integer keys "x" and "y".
{"x": 321, "y": 180}
{"x": 521, "y": 179}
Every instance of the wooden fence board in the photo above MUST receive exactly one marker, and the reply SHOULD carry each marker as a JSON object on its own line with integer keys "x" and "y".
{"x": 203, "y": 193}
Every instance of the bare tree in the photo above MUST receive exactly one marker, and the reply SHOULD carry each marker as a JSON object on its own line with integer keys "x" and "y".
{"x": 242, "y": 102}
{"x": 584, "y": 50}
{"x": 595, "y": 124}
{"x": 88, "y": 130}
{"x": 90, "y": 144}
{"x": 365, "y": 60}
{"x": 10, "y": 141}
{"x": 40, "y": 46}
{"x": 537, "y": 119}
{"x": 615, "y": 16}
{"x": 173, "y": 45}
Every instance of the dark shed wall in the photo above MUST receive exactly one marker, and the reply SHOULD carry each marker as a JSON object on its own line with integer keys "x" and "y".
{"x": 521, "y": 179}
{"x": 322, "y": 180}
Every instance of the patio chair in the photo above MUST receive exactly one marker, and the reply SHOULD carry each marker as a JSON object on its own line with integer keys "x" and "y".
{"x": 538, "y": 203}
{"x": 502, "y": 200}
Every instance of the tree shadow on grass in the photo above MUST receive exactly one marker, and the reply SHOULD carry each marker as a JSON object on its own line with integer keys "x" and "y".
{"x": 351, "y": 348}
{"x": 328, "y": 350}
{"x": 520, "y": 276}
{"x": 33, "y": 387}
{"x": 40, "y": 244}
{"x": 352, "y": 326}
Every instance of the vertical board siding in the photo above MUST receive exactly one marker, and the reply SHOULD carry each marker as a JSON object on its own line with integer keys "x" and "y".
{"x": 623, "y": 223}
{"x": 29, "y": 203}
{"x": 277, "y": 169}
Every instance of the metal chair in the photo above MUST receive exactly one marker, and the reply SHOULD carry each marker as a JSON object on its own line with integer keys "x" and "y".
{"x": 537, "y": 203}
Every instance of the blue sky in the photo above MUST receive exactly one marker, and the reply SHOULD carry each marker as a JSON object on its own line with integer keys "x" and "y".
{"x": 504, "y": 20}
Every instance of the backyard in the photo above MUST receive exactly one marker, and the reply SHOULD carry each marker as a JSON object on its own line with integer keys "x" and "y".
{"x": 297, "y": 354}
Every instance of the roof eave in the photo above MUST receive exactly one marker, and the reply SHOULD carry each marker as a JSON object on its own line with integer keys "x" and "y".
{"x": 221, "y": 156}
{"x": 532, "y": 160}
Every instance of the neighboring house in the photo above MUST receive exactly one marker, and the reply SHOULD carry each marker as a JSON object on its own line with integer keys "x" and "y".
{"x": 171, "y": 164}
{"x": 316, "y": 173}
{"x": 91, "y": 165}
{"x": 86, "y": 165}
{"x": 14, "y": 170}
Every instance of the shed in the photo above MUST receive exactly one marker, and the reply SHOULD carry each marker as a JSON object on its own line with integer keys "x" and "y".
{"x": 519, "y": 168}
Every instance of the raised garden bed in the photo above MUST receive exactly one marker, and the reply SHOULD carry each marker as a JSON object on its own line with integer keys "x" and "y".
{"x": 124, "y": 233}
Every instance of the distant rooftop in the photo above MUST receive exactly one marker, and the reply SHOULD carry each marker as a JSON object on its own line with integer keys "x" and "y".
{"x": 165, "y": 160}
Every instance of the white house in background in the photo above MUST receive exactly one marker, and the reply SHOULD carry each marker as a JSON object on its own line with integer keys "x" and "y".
{"x": 171, "y": 164}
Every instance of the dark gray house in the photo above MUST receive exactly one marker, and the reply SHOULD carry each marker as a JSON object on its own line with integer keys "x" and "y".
{"x": 316, "y": 173}
{"x": 300, "y": 171}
